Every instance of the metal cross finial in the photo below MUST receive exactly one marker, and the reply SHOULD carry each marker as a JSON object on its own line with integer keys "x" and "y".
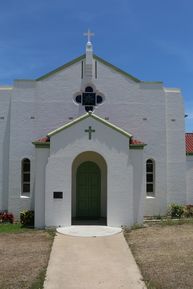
{"x": 89, "y": 130}
{"x": 89, "y": 34}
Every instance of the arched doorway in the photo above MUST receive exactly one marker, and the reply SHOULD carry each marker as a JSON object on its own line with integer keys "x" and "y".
{"x": 88, "y": 190}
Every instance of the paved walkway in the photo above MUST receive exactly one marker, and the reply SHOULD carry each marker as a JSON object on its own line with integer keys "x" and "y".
{"x": 92, "y": 263}
{"x": 89, "y": 231}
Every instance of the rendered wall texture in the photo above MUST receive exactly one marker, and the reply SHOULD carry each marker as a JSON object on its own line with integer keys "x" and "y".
{"x": 114, "y": 149}
{"x": 147, "y": 110}
{"x": 189, "y": 179}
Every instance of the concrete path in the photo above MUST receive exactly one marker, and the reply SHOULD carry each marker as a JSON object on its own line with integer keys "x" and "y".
{"x": 92, "y": 263}
{"x": 89, "y": 231}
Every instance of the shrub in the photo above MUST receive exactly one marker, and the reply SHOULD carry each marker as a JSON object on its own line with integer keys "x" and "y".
{"x": 27, "y": 218}
{"x": 137, "y": 226}
{"x": 6, "y": 217}
{"x": 188, "y": 211}
{"x": 176, "y": 211}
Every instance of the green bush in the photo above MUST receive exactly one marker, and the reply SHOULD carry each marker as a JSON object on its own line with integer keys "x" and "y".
{"x": 188, "y": 211}
{"x": 176, "y": 211}
{"x": 27, "y": 218}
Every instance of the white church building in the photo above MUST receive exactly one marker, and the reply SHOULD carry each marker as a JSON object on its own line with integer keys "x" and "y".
{"x": 88, "y": 142}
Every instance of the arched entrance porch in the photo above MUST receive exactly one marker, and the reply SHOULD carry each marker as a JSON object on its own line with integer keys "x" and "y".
{"x": 89, "y": 189}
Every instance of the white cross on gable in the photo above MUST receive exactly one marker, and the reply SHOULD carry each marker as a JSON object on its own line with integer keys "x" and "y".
{"x": 89, "y": 34}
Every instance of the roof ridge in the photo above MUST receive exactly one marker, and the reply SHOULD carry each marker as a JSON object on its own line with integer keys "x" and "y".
{"x": 81, "y": 57}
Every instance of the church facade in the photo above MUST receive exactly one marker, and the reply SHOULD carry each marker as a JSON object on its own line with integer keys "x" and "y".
{"x": 88, "y": 141}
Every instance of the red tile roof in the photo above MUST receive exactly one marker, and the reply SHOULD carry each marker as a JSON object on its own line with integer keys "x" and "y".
{"x": 135, "y": 141}
{"x": 189, "y": 142}
{"x": 132, "y": 141}
{"x": 188, "y": 138}
{"x": 43, "y": 139}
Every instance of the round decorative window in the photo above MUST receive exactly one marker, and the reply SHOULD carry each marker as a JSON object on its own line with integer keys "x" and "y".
{"x": 89, "y": 99}
{"x": 78, "y": 98}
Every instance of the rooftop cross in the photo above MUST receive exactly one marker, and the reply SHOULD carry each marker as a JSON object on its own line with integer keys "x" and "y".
{"x": 89, "y": 34}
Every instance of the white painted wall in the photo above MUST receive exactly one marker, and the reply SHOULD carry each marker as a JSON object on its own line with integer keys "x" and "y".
{"x": 176, "y": 157}
{"x": 144, "y": 109}
{"x": 21, "y": 136}
{"x": 42, "y": 155}
{"x": 5, "y": 96}
{"x": 189, "y": 179}
{"x": 137, "y": 160}
{"x": 114, "y": 148}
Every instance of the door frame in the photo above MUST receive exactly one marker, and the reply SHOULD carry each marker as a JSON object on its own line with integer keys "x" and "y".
{"x": 101, "y": 162}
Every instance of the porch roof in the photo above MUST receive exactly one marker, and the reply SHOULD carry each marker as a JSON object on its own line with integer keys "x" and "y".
{"x": 133, "y": 143}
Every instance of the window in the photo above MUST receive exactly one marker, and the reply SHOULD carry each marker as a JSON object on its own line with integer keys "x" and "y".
{"x": 82, "y": 69}
{"x": 89, "y": 99}
{"x": 95, "y": 69}
{"x": 99, "y": 99}
{"x": 150, "y": 178}
{"x": 88, "y": 89}
{"x": 25, "y": 177}
{"x": 79, "y": 98}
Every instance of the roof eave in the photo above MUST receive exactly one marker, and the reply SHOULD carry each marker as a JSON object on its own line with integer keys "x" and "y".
{"x": 90, "y": 114}
{"x": 41, "y": 144}
{"x": 77, "y": 59}
{"x": 137, "y": 146}
{"x": 189, "y": 153}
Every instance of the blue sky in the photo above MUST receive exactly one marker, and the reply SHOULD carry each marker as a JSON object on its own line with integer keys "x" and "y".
{"x": 150, "y": 39}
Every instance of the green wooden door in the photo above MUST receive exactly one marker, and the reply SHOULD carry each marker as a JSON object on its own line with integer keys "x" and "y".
{"x": 88, "y": 190}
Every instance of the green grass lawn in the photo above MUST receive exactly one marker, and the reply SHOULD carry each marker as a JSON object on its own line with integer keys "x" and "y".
{"x": 12, "y": 228}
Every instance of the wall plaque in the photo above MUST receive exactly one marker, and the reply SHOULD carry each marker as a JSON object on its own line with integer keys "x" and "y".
{"x": 58, "y": 195}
